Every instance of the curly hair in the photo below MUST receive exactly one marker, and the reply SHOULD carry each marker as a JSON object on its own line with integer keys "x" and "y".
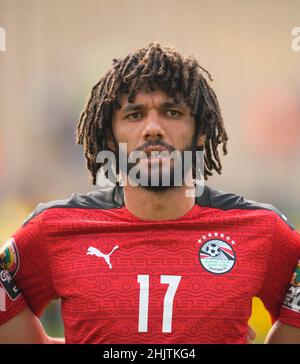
{"x": 154, "y": 66}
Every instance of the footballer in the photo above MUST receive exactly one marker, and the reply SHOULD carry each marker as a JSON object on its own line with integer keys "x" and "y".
{"x": 152, "y": 263}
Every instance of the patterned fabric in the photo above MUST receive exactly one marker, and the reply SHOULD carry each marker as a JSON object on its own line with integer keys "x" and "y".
{"x": 125, "y": 280}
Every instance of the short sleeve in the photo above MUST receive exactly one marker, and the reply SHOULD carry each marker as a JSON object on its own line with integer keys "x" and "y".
{"x": 11, "y": 300}
{"x": 290, "y": 310}
{"x": 25, "y": 257}
{"x": 285, "y": 252}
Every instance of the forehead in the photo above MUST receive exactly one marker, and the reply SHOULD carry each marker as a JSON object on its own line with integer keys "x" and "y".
{"x": 143, "y": 97}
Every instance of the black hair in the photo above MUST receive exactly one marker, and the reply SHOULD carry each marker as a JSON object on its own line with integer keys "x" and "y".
{"x": 153, "y": 66}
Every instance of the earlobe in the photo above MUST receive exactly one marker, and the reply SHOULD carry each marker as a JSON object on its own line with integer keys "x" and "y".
{"x": 110, "y": 145}
{"x": 201, "y": 140}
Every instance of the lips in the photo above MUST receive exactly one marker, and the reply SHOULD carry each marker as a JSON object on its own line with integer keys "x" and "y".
{"x": 154, "y": 150}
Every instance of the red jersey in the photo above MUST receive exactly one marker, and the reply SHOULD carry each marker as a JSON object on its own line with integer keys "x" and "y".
{"x": 125, "y": 280}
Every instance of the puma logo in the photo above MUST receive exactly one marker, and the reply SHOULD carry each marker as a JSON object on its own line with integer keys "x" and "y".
{"x": 94, "y": 251}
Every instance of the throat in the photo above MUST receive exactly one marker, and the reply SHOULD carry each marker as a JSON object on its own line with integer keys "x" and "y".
{"x": 169, "y": 204}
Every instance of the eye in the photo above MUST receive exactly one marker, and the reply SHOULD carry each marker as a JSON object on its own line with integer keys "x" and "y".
{"x": 173, "y": 113}
{"x": 134, "y": 116}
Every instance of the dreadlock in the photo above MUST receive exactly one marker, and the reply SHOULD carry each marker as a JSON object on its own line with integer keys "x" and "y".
{"x": 150, "y": 67}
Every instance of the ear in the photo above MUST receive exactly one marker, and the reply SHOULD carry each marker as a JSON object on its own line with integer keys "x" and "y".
{"x": 201, "y": 140}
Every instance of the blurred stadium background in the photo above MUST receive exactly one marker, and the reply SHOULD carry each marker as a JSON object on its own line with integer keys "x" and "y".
{"x": 56, "y": 51}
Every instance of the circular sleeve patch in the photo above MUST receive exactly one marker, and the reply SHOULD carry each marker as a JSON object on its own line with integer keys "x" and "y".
{"x": 9, "y": 257}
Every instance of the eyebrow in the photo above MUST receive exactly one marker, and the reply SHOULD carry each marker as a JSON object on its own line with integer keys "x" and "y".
{"x": 164, "y": 105}
{"x": 132, "y": 107}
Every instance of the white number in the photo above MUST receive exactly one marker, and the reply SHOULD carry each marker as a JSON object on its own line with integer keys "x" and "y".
{"x": 173, "y": 282}
{"x": 2, "y": 299}
{"x": 144, "y": 302}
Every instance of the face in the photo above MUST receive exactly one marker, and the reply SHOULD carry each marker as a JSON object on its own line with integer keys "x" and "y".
{"x": 153, "y": 123}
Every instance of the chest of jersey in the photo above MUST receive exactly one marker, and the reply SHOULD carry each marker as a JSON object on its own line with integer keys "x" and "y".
{"x": 189, "y": 281}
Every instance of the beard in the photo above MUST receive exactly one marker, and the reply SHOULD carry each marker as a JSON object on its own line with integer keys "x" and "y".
{"x": 159, "y": 175}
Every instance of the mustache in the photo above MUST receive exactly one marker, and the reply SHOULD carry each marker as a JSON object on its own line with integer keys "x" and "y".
{"x": 155, "y": 143}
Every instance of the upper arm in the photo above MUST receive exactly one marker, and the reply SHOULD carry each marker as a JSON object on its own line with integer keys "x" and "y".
{"x": 25, "y": 256}
{"x": 283, "y": 334}
{"x": 285, "y": 246}
{"x": 26, "y": 285}
{"x": 24, "y": 328}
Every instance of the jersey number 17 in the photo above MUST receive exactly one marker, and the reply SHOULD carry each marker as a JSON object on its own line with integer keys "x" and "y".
{"x": 173, "y": 282}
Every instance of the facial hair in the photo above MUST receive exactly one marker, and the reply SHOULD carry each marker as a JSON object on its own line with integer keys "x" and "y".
{"x": 160, "y": 187}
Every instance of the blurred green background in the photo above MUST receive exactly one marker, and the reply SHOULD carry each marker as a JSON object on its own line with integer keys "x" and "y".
{"x": 56, "y": 51}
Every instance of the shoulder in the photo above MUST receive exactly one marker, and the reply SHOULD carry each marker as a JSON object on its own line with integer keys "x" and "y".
{"x": 104, "y": 199}
{"x": 226, "y": 201}
{"x": 113, "y": 197}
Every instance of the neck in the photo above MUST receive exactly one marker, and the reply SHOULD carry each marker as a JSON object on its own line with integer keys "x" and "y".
{"x": 165, "y": 205}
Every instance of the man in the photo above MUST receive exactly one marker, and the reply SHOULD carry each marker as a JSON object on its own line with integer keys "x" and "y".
{"x": 152, "y": 263}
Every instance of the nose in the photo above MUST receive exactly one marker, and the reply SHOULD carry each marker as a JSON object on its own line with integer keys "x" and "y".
{"x": 153, "y": 129}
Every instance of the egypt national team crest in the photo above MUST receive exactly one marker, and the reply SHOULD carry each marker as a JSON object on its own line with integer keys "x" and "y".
{"x": 216, "y": 254}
